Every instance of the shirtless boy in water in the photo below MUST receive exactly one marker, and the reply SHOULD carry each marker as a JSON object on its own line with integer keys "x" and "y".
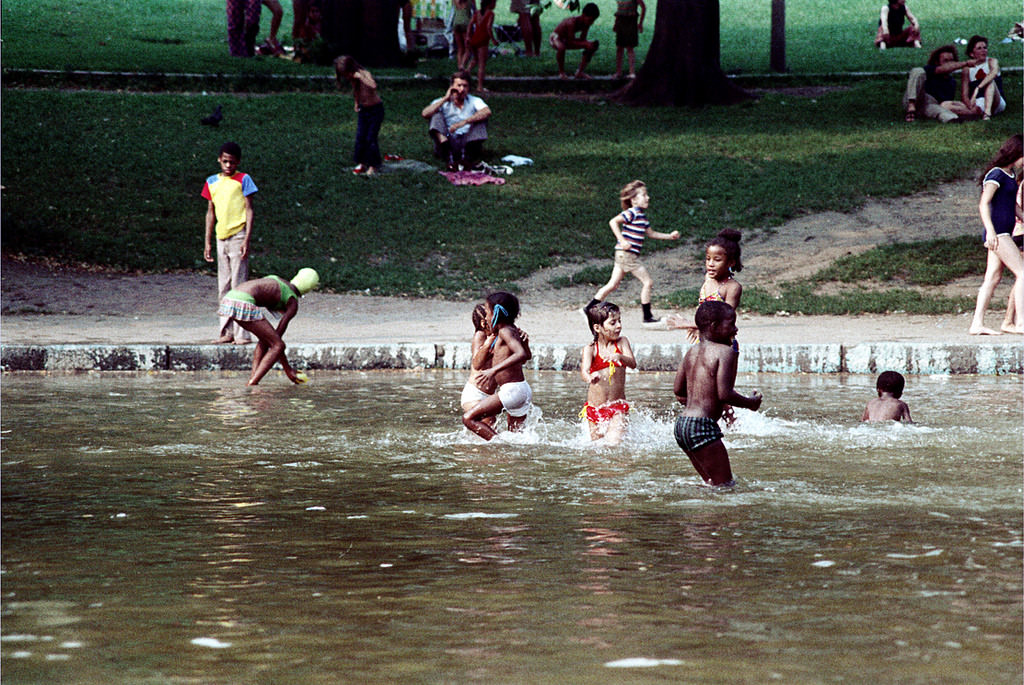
{"x": 508, "y": 350}
{"x": 888, "y": 406}
{"x": 704, "y": 383}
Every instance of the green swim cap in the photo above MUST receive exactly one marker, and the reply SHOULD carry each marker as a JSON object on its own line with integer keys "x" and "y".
{"x": 306, "y": 280}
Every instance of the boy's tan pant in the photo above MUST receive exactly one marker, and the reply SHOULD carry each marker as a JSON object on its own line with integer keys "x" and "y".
{"x": 232, "y": 269}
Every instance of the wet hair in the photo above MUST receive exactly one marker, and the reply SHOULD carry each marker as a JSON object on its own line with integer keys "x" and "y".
{"x": 464, "y": 75}
{"x": 974, "y": 40}
{"x": 1010, "y": 152}
{"x": 890, "y": 382}
{"x": 933, "y": 59}
{"x": 629, "y": 191}
{"x": 711, "y": 312}
{"x": 479, "y": 316}
{"x": 598, "y": 314}
{"x": 345, "y": 67}
{"x": 508, "y": 303}
{"x": 591, "y": 10}
{"x": 232, "y": 148}
{"x": 729, "y": 240}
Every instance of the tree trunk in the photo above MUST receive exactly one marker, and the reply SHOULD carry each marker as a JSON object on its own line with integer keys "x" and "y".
{"x": 365, "y": 29}
{"x": 682, "y": 66}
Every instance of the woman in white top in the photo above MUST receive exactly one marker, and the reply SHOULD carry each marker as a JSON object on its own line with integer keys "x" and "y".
{"x": 981, "y": 84}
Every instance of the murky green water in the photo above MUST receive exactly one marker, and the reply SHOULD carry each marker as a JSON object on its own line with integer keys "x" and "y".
{"x": 185, "y": 529}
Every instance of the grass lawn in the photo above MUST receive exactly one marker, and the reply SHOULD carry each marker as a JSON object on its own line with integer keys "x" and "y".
{"x": 113, "y": 178}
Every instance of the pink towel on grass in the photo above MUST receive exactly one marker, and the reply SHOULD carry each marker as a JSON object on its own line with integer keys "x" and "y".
{"x": 471, "y": 178}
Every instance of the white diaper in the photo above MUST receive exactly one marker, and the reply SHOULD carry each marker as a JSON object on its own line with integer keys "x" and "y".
{"x": 515, "y": 398}
{"x": 472, "y": 394}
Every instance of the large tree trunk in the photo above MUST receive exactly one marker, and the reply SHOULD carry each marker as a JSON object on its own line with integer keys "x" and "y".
{"x": 364, "y": 29}
{"x": 682, "y": 65}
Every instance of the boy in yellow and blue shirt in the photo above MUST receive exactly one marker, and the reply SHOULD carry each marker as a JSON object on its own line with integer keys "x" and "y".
{"x": 229, "y": 208}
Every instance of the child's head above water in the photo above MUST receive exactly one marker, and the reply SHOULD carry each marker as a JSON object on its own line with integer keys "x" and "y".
{"x": 504, "y": 308}
{"x": 729, "y": 240}
{"x": 710, "y": 317}
{"x": 480, "y": 317}
{"x": 599, "y": 314}
{"x": 890, "y": 382}
{"x": 630, "y": 191}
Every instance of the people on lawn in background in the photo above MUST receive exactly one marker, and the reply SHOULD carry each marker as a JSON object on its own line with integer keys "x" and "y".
{"x": 272, "y": 46}
{"x": 629, "y": 24}
{"x": 606, "y": 408}
{"x": 229, "y": 209}
{"x": 981, "y": 81}
{"x": 571, "y": 34}
{"x": 528, "y": 12}
{"x": 999, "y": 213}
{"x": 458, "y": 124}
{"x": 369, "y": 113}
{"x": 481, "y": 35}
{"x": 888, "y": 406}
{"x": 243, "y": 26}
{"x": 631, "y": 227}
{"x": 892, "y": 29}
{"x": 931, "y": 90}
{"x": 462, "y": 13}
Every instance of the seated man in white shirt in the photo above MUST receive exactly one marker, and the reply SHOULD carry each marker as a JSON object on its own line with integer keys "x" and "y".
{"x": 458, "y": 124}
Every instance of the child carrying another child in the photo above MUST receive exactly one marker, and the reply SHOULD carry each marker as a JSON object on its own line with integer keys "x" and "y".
{"x": 630, "y": 228}
{"x": 229, "y": 208}
{"x": 369, "y": 113}
{"x": 888, "y": 406}
{"x": 721, "y": 261}
{"x": 242, "y": 305}
{"x": 606, "y": 406}
{"x": 508, "y": 351}
{"x": 472, "y": 393}
{"x": 705, "y": 384}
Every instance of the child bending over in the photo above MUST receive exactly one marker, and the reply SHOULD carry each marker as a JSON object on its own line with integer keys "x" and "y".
{"x": 507, "y": 351}
{"x": 888, "y": 406}
{"x": 705, "y": 384}
{"x": 571, "y": 34}
{"x": 606, "y": 406}
{"x": 242, "y": 305}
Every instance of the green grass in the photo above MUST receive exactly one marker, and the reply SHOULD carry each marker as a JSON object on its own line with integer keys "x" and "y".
{"x": 179, "y": 36}
{"x": 932, "y": 262}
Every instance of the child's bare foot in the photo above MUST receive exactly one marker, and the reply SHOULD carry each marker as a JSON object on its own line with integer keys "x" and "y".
{"x": 982, "y": 330}
{"x": 563, "y": 75}
{"x": 243, "y": 341}
{"x": 370, "y": 171}
{"x": 224, "y": 340}
{"x": 618, "y": 75}
{"x": 1010, "y": 328}
{"x": 583, "y": 76}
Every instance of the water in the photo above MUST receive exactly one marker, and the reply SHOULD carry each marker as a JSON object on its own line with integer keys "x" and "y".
{"x": 186, "y": 529}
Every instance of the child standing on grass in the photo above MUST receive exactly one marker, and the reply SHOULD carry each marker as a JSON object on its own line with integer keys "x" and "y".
{"x": 888, "y": 406}
{"x": 629, "y": 24}
{"x": 462, "y": 12}
{"x": 606, "y": 406}
{"x": 631, "y": 227}
{"x": 481, "y": 35}
{"x": 999, "y": 211}
{"x": 369, "y": 113}
{"x": 721, "y": 261}
{"x": 229, "y": 208}
{"x": 477, "y": 388}
{"x": 504, "y": 346}
{"x": 242, "y": 305}
{"x": 705, "y": 384}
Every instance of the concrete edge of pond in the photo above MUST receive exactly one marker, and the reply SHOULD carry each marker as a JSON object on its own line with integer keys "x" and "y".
{"x": 869, "y": 358}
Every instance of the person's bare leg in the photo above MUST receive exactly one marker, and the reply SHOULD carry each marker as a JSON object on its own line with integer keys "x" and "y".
{"x": 269, "y": 350}
{"x": 616, "y": 430}
{"x": 712, "y": 463}
{"x": 611, "y": 285}
{"x": 993, "y": 272}
{"x": 474, "y": 418}
{"x": 646, "y": 284}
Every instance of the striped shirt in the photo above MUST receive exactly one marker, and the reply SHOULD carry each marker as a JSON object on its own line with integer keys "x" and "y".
{"x": 634, "y": 228}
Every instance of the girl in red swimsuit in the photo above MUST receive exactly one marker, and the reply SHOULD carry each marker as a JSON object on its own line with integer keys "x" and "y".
{"x": 721, "y": 261}
{"x": 603, "y": 368}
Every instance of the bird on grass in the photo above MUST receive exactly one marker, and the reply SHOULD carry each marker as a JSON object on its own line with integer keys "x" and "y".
{"x": 213, "y": 119}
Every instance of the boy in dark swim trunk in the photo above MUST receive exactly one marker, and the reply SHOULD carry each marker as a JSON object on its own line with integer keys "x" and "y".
{"x": 704, "y": 383}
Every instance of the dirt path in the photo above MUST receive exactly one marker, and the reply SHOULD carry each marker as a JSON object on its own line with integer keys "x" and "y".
{"x": 44, "y": 303}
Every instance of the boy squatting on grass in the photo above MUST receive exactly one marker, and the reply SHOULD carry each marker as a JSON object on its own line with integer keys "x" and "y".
{"x": 229, "y": 206}
{"x": 705, "y": 384}
{"x": 888, "y": 406}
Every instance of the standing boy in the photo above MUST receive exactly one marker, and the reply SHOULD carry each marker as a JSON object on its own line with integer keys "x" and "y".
{"x": 888, "y": 406}
{"x": 571, "y": 34}
{"x": 229, "y": 206}
{"x": 705, "y": 384}
{"x": 629, "y": 24}
{"x": 630, "y": 228}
